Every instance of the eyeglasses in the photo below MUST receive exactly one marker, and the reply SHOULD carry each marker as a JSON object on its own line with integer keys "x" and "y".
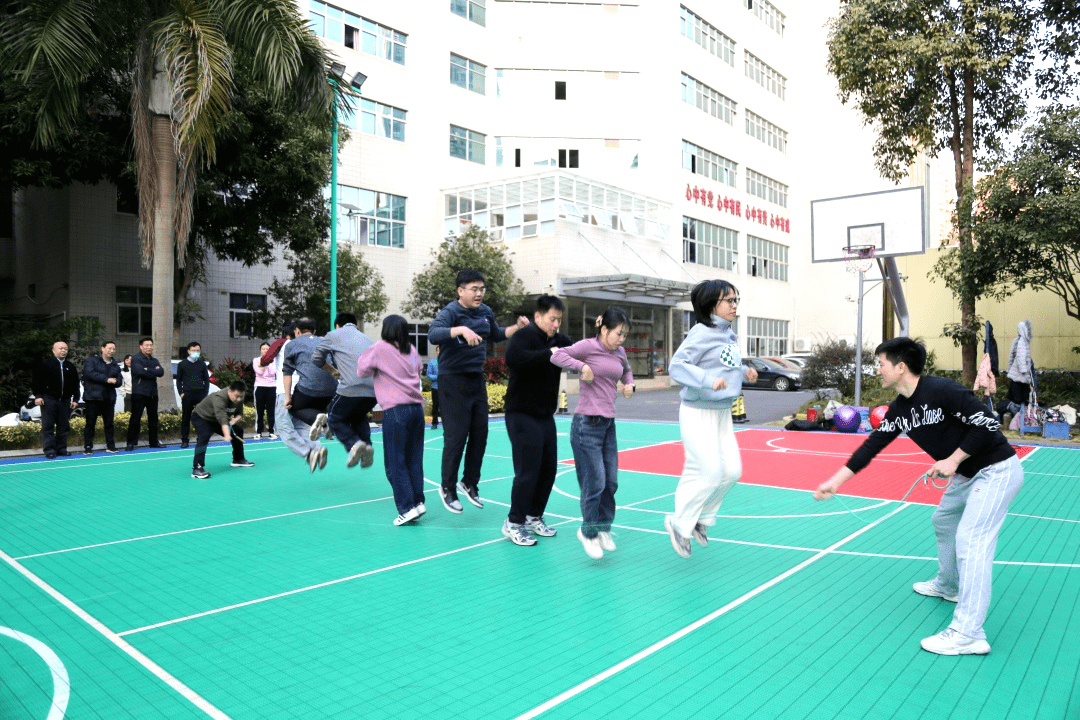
{"x": 731, "y": 300}
{"x": 478, "y": 289}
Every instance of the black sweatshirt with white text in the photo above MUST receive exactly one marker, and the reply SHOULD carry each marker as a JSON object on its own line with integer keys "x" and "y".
{"x": 940, "y": 416}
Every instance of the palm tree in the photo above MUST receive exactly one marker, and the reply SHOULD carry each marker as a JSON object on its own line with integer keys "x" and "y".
{"x": 177, "y": 56}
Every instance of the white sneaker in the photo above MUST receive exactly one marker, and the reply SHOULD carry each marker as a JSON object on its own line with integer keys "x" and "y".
{"x": 537, "y": 526}
{"x": 420, "y": 510}
{"x": 606, "y": 543}
{"x": 257, "y": 436}
{"x": 272, "y": 436}
{"x": 951, "y": 642}
{"x": 517, "y": 534}
{"x": 699, "y": 533}
{"x": 355, "y": 453}
{"x": 407, "y": 517}
{"x": 681, "y": 544}
{"x": 313, "y": 460}
{"x": 929, "y": 589}
{"x": 317, "y": 427}
{"x": 323, "y": 452}
{"x": 591, "y": 545}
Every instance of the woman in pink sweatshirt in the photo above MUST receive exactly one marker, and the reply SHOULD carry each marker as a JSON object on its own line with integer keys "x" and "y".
{"x": 265, "y": 394}
{"x": 396, "y": 366}
{"x": 602, "y": 363}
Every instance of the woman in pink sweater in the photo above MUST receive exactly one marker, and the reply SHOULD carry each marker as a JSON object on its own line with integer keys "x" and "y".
{"x": 265, "y": 394}
{"x": 396, "y": 366}
{"x": 602, "y": 363}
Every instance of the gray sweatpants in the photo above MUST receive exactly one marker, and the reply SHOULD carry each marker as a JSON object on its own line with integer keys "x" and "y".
{"x": 293, "y": 431}
{"x": 967, "y": 522}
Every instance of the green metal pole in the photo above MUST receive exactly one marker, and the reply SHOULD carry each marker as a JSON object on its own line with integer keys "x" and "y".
{"x": 333, "y": 209}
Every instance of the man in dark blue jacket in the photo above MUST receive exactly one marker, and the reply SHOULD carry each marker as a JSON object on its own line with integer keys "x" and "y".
{"x": 193, "y": 384}
{"x": 101, "y": 376}
{"x": 56, "y": 392}
{"x": 145, "y": 370}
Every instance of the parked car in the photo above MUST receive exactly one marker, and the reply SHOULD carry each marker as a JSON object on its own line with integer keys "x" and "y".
{"x": 798, "y": 360}
{"x": 785, "y": 362}
{"x": 774, "y": 375}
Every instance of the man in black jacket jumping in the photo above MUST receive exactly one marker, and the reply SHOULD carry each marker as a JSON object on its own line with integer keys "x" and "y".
{"x": 56, "y": 391}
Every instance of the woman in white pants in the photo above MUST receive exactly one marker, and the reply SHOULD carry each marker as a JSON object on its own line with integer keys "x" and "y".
{"x": 709, "y": 367}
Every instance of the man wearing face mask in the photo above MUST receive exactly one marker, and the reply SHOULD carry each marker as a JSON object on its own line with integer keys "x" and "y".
{"x": 193, "y": 383}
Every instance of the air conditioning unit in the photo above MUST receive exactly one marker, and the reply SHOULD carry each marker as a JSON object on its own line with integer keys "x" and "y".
{"x": 802, "y": 344}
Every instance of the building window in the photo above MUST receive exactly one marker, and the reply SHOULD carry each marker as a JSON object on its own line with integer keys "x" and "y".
{"x": 705, "y": 162}
{"x": 768, "y": 14}
{"x": 766, "y": 188}
{"x": 474, "y": 10}
{"x": 710, "y": 245}
{"x": 356, "y": 32}
{"x": 766, "y": 337}
{"x": 707, "y": 100}
{"x": 766, "y": 132}
{"x": 765, "y": 76}
{"x": 241, "y": 306}
{"x": 568, "y": 158}
{"x": 133, "y": 310}
{"x": 560, "y": 89}
{"x": 707, "y": 36}
{"x": 766, "y": 259}
{"x": 377, "y": 119}
{"x": 466, "y": 144}
{"x": 368, "y": 217}
{"x": 467, "y": 74}
{"x": 418, "y": 336}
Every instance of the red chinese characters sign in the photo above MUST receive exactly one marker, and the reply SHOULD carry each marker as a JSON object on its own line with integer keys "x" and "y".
{"x": 714, "y": 201}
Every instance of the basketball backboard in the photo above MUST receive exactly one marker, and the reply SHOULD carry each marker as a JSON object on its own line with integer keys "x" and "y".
{"x": 895, "y": 222}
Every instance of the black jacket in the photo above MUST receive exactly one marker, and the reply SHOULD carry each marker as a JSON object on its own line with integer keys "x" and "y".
{"x": 144, "y": 374}
{"x": 193, "y": 377}
{"x": 56, "y": 380}
{"x": 96, "y": 374}
{"x": 533, "y": 388}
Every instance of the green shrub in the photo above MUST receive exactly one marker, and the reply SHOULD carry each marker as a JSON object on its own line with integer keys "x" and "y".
{"x": 832, "y": 365}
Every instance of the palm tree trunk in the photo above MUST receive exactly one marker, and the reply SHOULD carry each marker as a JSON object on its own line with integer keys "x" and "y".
{"x": 164, "y": 242}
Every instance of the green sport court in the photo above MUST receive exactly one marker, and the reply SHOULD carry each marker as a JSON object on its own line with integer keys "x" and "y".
{"x": 129, "y": 589}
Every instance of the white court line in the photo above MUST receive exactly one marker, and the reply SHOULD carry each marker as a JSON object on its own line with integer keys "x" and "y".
{"x": 831, "y": 453}
{"x": 656, "y": 647}
{"x": 170, "y": 680}
{"x": 205, "y": 527}
{"x": 61, "y": 681}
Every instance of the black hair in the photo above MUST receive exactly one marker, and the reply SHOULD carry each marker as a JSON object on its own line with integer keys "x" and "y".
{"x": 142, "y": 340}
{"x": 467, "y": 276}
{"x": 344, "y": 319}
{"x": 704, "y": 297}
{"x": 904, "y": 350}
{"x": 125, "y": 358}
{"x": 612, "y": 318}
{"x": 194, "y": 343}
{"x": 238, "y": 385}
{"x": 305, "y": 324}
{"x": 288, "y": 328}
{"x": 107, "y": 342}
{"x": 395, "y": 330}
{"x": 547, "y": 302}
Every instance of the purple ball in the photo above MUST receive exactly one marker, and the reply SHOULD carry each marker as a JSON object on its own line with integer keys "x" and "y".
{"x": 846, "y": 418}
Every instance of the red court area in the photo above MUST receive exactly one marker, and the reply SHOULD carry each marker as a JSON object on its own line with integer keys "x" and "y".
{"x": 802, "y": 461}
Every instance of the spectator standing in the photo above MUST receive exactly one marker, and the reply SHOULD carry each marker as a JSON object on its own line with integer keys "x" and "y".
{"x": 193, "y": 384}
{"x": 432, "y": 372}
{"x": 145, "y": 370}
{"x": 347, "y": 413}
{"x": 532, "y": 396}
{"x": 463, "y": 329}
{"x": 101, "y": 376}
{"x": 125, "y": 380}
{"x": 56, "y": 391}
{"x": 221, "y": 411}
{"x": 265, "y": 394}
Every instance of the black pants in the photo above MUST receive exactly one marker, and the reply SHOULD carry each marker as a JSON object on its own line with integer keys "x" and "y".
{"x": 204, "y": 430}
{"x": 187, "y": 405}
{"x": 465, "y": 420}
{"x": 435, "y": 407}
{"x": 535, "y": 452}
{"x": 94, "y": 409}
{"x": 265, "y": 403}
{"x": 349, "y": 420}
{"x": 55, "y": 425}
{"x": 306, "y": 407}
{"x": 138, "y": 404}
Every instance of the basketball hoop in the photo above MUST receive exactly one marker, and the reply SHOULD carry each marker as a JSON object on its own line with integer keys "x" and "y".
{"x": 859, "y": 258}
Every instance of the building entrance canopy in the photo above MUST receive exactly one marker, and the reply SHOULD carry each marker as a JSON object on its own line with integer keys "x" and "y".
{"x": 627, "y": 288}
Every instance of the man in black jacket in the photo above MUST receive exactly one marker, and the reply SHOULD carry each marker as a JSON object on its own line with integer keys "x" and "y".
{"x": 532, "y": 396}
{"x": 56, "y": 392}
{"x": 193, "y": 383}
{"x": 145, "y": 370}
{"x": 101, "y": 376}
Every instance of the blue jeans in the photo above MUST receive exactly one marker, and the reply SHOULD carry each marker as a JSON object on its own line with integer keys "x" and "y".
{"x": 596, "y": 456}
{"x": 403, "y": 454}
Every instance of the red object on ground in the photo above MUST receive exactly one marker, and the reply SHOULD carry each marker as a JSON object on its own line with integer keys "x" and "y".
{"x": 877, "y": 415}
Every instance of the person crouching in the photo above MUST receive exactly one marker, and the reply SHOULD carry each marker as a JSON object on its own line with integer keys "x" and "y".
{"x": 220, "y": 412}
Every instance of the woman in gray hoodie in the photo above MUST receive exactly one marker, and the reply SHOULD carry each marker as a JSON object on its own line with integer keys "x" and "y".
{"x": 1019, "y": 372}
{"x": 709, "y": 367}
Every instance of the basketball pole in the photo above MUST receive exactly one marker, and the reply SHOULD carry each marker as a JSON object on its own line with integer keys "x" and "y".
{"x": 858, "y": 347}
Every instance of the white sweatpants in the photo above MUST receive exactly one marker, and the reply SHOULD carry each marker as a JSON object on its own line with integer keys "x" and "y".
{"x": 967, "y": 522}
{"x": 712, "y": 466}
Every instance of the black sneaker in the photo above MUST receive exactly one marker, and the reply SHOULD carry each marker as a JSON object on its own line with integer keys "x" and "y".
{"x": 242, "y": 463}
{"x": 111, "y": 450}
{"x": 184, "y": 444}
{"x": 450, "y": 501}
{"x": 199, "y": 473}
{"x": 88, "y": 451}
{"x": 472, "y": 493}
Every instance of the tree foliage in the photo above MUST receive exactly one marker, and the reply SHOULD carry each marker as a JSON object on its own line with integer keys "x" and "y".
{"x": 306, "y": 293}
{"x": 434, "y": 286}
{"x": 1027, "y": 217}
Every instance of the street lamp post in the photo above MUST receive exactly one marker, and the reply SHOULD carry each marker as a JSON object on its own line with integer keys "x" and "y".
{"x": 337, "y": 75}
